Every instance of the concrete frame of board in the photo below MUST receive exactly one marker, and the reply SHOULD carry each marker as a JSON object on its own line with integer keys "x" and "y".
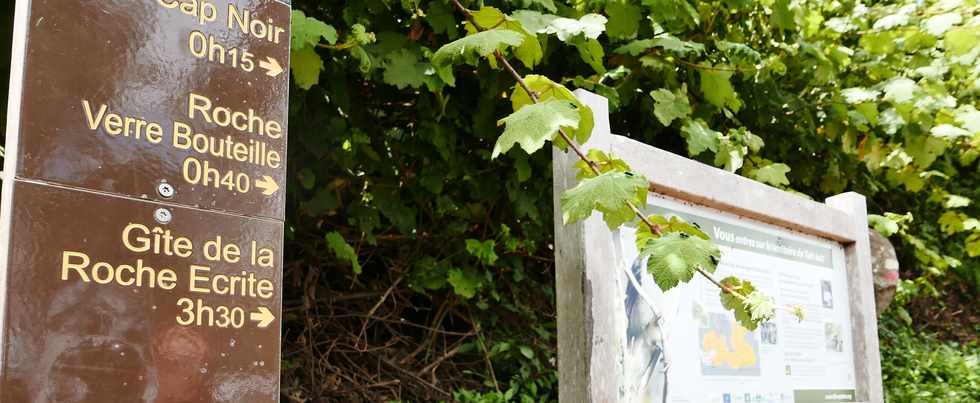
{"x": 588, "y": 343}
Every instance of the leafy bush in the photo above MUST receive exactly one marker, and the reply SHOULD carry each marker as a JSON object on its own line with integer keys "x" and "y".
{"x": 918, "y": 367}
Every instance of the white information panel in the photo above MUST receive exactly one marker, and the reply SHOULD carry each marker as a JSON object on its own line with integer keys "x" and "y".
{"x": 683, "y": 346}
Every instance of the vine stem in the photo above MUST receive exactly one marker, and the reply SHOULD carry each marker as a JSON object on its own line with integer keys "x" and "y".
{"x": 594, "y": 166}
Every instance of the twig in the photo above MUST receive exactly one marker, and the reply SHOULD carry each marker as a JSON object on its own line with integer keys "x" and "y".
{"x": 656, "y": 229}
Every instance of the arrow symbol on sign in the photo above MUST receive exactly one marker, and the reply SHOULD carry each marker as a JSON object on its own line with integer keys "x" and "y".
{"x": 271, "y": 66}
{"x": 267, "y": 184}
{"x": 264, "y": 316}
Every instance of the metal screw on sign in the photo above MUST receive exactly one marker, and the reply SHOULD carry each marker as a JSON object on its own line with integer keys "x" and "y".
{"x": 166, "y": 190}
{"x": 163, "y": 216}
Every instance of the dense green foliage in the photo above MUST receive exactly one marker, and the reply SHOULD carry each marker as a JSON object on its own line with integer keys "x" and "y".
{"x": 917, "y": 367}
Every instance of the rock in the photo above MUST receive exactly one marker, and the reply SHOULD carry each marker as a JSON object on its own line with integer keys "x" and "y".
{"x": 884, "y": 264}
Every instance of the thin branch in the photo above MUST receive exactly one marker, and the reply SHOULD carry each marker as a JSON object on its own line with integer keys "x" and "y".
{"x": 656, "y": 229}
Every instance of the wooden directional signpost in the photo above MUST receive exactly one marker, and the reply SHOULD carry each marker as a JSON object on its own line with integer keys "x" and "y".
{"x": 143, "y": 201}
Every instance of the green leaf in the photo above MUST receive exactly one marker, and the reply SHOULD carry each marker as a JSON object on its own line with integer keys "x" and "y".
{"x": 961, "y": 40}
{"x": 670, "y": 105}
{"x": 484, "y": 251}
{"x": 535, "y": 124}
{"x": 591, "y": 52}
{"x": 606, "y": 163}
{"x": 700, "y": 137}
{"x": 675, "y": 224}
{"x": 533, "y": 21}
{"x": 732, "y": 303}
{"x": 900, "y": 90}
{"x": 545, "y": 4}
{"x": 858, "y": 95}
{"x": 717, "y": 88}
{"x": 674, "y": 257}
{"x": 951, "y": 222}
{"x": 529, "y": 52}
{"x": 761, "y": 307}
{"x": 956, "y": 201}
{"x": 884, "y": 225}
{"x": 403, "y": 69}
{"x": 939, "y": 24}
{"x": 465, "y": 282}
{"x": 624, "y": 19}
{"x": 590, "y": 26}
{"x": 306, "y": 66}
{"x": 527, "y": 352}
{"x": 782, "y": 16}
{"x": 947, "y": 131}
{"x": 666, "y": 41}
{"x": 442, "y": 19}
{"x": 773, "y": 174}
{"x": 343, "y": 250}
{"x": 973, "y": 245}
{"x": 549, "y": 90}
{"x": 481, "y": 44}
{"x": 307, "y": 31}
{"x": 607, "y": 193}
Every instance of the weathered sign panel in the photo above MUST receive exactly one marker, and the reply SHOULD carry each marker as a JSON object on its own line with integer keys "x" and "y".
{"x": 622, "y": 339}
{"x": 143, "y": 203}
{"x": 122, "y": 95}
{"x": 682, "y": 345}
{"x": 107, "y": 304}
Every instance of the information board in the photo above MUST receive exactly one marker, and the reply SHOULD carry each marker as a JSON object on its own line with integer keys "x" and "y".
{"x": 683, "y": 346}
{"x": 143, "y": 201}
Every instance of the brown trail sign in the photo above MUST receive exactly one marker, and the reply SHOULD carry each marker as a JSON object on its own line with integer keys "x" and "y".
{"x": 143, "y": 201}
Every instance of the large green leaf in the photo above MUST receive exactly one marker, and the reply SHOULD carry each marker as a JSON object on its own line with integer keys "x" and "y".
{"x": 307, "y": 31}
{"x": 549, "y": 90}
{"x": 404, "y": 69}
{"x": 716, "y": 85}
{"x": 608, "y": 193}
{"x": 671, "y": 105}
{"x": 529, "y": 52}
{"x": 343, "y": 250}
{"x": 700, "y": 137}
{"x": 306, "y": 66}
{"x": 481, "y": 44}
{"x": 533, "y": 125}
{"x": 589, "y": 26}
{"x": 674, "y": 257}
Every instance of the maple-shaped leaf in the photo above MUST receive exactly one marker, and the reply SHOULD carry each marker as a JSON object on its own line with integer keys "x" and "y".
{"x": 666, "y": 41}
{"x": 549, "y": 90}
{"x": 761, "y": 307}
{"x": 343, "y": 250}
{"x": 529, "y": 52}
{"x": 608, "y": 193}
{"x": 716, "y": 85}
{"x": 606, "y": 163}
{"x": 307, "y": 31}
{"x": 773, "y": 174}
{"x": 589, "y": 26}
{"x": 403, "y": 69}
{"x": 670, "y": 105}
{"x": 533, "y": 125}
{"x": 674, "y": 257}
{"x": 624, "y": 19}
{"x": 306, "y": 66}
{"x": 732, "y": 303}
{"x": 700, "y": 137}
{"x": 481, "y": 44}
{"x": 674, "y": 224}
